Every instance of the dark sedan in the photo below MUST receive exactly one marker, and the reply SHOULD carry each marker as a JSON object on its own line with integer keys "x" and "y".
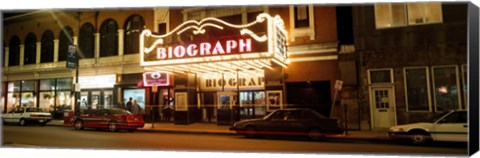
{"x": 296, "y": 122}
{"x": 112, "y": 119}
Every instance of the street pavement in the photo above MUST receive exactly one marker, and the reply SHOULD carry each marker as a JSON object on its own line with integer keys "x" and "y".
{"x": 212, "y": 128}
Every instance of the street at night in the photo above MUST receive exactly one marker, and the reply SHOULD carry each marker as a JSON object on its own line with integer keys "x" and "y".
{"x": 62, "y": 137}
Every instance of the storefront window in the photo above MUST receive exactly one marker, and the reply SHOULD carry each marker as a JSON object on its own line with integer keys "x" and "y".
{"x": 14, "y": 86}
{"x": 417, "y": 89}
{"x": 28, "y": 85}
{"x": 64, "y": 98}
{"x": 47, "y": 84}
{"x": 107, "y": 99}
{"x": 64, "y": 84}
{"x": 260, "y": 109}
{"x": 446, "y": 88}
{"x": 13, "y": 100}
{"x": 28, "y": 99}
{"x": 136, "y": 94}
{"x": 47, "y": 100}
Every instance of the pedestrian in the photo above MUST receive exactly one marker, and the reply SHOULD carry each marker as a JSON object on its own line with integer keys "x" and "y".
{"x": 129, "y": 104}
{"x": 136, "y": 109}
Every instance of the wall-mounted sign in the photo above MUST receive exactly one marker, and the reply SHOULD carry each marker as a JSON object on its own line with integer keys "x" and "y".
{"x": 212, "y": 40}
{"x": 99, "y": 81}
{"x": 230, "y": 83}
{"x": 156, "y": 78}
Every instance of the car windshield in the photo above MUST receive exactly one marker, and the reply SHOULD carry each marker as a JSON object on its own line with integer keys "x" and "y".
{"x": 437, "y": 116}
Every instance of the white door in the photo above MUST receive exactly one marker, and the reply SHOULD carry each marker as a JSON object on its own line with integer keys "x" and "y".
{"x": 383, "y": 107}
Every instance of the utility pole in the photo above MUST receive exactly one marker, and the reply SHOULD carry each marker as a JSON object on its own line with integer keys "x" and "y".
{"x": 77, "y": 87}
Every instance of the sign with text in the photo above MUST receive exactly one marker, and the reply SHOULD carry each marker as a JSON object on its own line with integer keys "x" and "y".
{"x": 98, "y": 81}
{"x": 71, "y": 57}
{"x": 230, "y": 83}
{"x": 212, "y": 40}
{"x": 156, "y": 78}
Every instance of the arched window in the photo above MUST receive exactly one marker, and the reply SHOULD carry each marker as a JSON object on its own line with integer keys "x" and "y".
{"x": 133, "y": 28}
{"x": 86, "y": 41}
{"x": 14, "y": 51}
{"x": 46, "y": 54}
{"x": 109, "y": 38}
{"x": 30, "y": 56}
{"x": 65, "y": 39}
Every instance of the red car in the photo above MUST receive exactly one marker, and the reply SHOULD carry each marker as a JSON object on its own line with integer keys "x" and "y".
{"x": 112, "y": 119}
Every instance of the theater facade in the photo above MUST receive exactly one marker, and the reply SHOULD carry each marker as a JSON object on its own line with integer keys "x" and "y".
{"x": 216, "y": 65}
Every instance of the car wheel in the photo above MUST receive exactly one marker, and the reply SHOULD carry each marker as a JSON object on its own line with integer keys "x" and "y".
{"x": 78, "y": 125}
{"x": 419, "y": 137}
{"x": 315, "y": 134}
{"x": 112, "y": 126}
{"x": 22, "y": 122}
{"x": 250, "y": 132}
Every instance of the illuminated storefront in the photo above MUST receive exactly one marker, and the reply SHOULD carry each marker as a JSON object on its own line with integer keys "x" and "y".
{"x": 221, "y": 71}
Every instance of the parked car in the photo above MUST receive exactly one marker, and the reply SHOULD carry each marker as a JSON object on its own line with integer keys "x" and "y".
{"x": 447, "y": 126}
{"x": 24, "y": 115}
{"x": 290, "y": 122}
{"x": 112, "y": 119}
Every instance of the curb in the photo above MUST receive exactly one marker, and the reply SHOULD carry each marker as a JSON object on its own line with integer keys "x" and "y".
{"x": 340, "y": 137}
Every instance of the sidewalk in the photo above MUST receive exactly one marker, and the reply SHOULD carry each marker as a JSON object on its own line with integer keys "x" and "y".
{"x": 212, "y": 128}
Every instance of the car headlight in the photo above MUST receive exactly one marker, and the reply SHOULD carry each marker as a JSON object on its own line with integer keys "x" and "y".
{"x": 396, "y": 129}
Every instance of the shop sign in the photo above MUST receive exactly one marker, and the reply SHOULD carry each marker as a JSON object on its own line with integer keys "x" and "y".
{"x": 156, "y": 78}
{"x": 231, "y": 83}
{"x": 99, "y": 81}
{"x": 212, "y": 40}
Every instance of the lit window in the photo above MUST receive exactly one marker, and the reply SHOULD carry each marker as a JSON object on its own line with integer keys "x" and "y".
{"x": 302, "y": 18}
{"x": 446, "y": 88}
{"x": 395, "y": 15}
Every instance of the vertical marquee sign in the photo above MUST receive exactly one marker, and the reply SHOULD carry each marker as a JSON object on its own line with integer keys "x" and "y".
{"x": 213, "y": 40}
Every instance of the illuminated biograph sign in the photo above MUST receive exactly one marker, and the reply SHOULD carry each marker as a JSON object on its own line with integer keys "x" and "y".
{"x": 155, "y": 78}
{"x": 212, "y": 39}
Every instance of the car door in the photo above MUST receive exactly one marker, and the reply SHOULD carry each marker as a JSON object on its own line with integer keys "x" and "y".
{"x": 295, "y": 124}
{"x": 452, "y": 127}
{"x": 8, "y": 117}
{"x": 273, "y": 125}
{"x": 100, "y": 119}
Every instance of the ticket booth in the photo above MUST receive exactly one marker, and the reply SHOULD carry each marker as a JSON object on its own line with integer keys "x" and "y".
{"x": 227, "y": 108}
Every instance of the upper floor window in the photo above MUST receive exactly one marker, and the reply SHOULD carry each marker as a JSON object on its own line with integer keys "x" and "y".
{"x": 86, "y": 41}
{"x": 389, "y": 15}
{"x": 14, "y": 51}
{"x": 302, "y": 18}
{"x": 133, "y": 28}
{"x": 30, "y": 49}
{"x": 66, "y": 39}
{"x": 47, "y": 47}
{"x": 109, "y": 38}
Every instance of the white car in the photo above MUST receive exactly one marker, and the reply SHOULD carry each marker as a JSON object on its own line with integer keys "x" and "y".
{"x": 23, "y": 116}
{"x": 448, "y": 126}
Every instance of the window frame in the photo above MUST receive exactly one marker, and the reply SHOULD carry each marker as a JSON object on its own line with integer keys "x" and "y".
{"x": 465, "y": 86}
{"x": 304, "y": 31}
{"x": 429, "y": 93}
{"x": 457, "y": 79}
{"x": 132, "y": 34}
{"x": 106, "y": 36}
{"x": 14, "y": 54}
{"x": 47, "y": 53}
{"x": 406, "y": 16}
{"x": 84, "y": 36}
{"x": 30, "y": 49}
{"x": 392, "y": 80}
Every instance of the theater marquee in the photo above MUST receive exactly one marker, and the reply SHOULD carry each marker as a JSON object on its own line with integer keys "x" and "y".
{"x": 211, "y": 43}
